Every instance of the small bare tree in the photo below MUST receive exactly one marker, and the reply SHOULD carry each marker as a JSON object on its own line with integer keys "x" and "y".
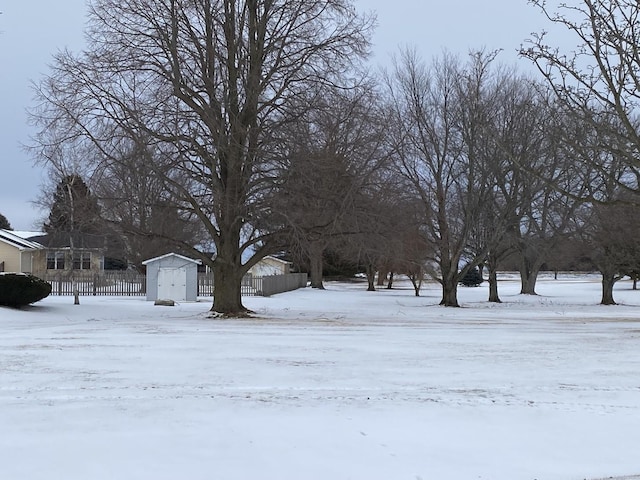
{"x": 336, "y": 150}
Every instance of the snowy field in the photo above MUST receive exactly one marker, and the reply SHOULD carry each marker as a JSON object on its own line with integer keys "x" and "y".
{"x": 326, "y": 385}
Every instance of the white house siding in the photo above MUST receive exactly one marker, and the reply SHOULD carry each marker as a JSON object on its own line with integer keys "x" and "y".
{"x": 16, "y": 252}
{"x": 15, "y": 259}
{"x": 270, "y": 266}
{"x": 10, "y": 255}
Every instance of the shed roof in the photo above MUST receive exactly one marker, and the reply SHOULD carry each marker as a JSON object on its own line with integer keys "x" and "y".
{"x": 166, "y": 255}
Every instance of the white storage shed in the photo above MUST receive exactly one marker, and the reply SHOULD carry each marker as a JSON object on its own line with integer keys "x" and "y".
{"x": 172, "y": 277}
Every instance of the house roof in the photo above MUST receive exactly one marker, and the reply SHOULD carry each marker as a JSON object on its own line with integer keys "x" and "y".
{"x": 146, "y": 262}
{"x": 27, "y": 235}
{"x": 63, "y": 240}
{"x": 269, "y": 257}
{"x": 7, "y": 236}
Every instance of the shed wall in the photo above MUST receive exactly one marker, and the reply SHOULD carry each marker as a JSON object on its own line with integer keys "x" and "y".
{"x": 191, "y": 294}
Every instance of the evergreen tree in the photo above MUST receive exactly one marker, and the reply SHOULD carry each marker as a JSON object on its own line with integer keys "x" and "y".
{"x": 74, "y": 220}
{"x": 473, "y": 278}
{"x": 74, "y": 211}
{"x": 4, "y": 223}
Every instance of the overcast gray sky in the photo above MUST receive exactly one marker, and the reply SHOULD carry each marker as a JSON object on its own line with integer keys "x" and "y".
{"x": 32, "y": 31}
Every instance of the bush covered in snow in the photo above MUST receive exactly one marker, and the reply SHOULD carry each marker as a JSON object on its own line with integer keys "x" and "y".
{"x": 19, "y": 289}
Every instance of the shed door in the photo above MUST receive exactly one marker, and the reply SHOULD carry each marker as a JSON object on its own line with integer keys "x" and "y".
{"x": 172, "y": 284}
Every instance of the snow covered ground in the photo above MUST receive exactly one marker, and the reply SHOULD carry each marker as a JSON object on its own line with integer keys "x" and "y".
{"x": 328, "y": 385}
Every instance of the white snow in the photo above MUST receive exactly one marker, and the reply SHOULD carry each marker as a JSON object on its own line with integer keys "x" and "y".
{"x": 326, "y": 385}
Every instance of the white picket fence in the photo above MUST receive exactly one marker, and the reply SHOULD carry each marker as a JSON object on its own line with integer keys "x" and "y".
{"x": 130, "y": 283}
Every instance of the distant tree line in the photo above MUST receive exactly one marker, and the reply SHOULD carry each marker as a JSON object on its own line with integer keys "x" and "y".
{"x": 233, "y": 129}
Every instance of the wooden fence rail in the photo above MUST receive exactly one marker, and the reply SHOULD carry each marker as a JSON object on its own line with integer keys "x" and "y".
{"x": 130, "y": 283}
{"x": 102, "y": 283}
{"x": 251, "y": 285}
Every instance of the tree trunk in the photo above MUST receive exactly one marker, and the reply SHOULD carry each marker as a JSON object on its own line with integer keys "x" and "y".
{"x": 382, "y": 276}
{"x": 416, "y": 281}
{"x": 449, "y": 295}
{"x": 481, "y": 266}
{"x": 371, "y": 277}
{"x": 390, "y": 284}
{"x": 227, "y": 277}
{"x": 316, "y": 252}
{"x": 450, "y": 290}
{"x": 635, "y": 282}
{"x": 608, "y": 280}
{"x": 492, "y": 266}
{"x": 528, "y": 283}
{"x": 529, "y": 276}
{"x": 227, "y": 289}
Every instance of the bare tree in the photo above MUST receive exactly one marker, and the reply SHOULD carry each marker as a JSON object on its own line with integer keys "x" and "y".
{"x": 410, "y": 254}
{"x": 441, "y": 112}
{"x": 334, "y": 153}
{"x": 597, "y": 81}
{"x": 208, "y": 82}
{"x": 134, "y": 201}
{"x": 511, "y": 146}
{"x": 609, "y": 225}
{"x": 608, "y": 240}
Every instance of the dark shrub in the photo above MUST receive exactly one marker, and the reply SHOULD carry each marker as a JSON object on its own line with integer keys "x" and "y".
{"x": 472, "y": 278}
{"x": 19, "y": 289}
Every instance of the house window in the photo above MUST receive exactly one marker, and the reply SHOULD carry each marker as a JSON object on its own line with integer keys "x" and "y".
{"x": 82, "y": 261}
{"x": 55, "y": 260}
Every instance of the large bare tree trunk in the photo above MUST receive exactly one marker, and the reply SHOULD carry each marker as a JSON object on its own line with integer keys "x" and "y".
{"x": 316, "y": 251}
{"x": 607, "y": 290}
{"x": 371, "y": 277}
{"x": 528, "y": 282}
{"x": 450, "y": 288}
{"x": 529, "y": 276}
{"x": 449, "y": 294}
{"x": 227, "y": 290}
{"x": 609, "y": 279}
{"x": 227, "y": 277}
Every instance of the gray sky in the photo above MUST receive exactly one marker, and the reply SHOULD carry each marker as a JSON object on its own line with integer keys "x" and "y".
{"x": 32, "y": 31}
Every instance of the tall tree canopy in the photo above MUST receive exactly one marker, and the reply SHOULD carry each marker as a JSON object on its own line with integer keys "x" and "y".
{"x": 206, "y": 83}
{"x": 597, "y": 81}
